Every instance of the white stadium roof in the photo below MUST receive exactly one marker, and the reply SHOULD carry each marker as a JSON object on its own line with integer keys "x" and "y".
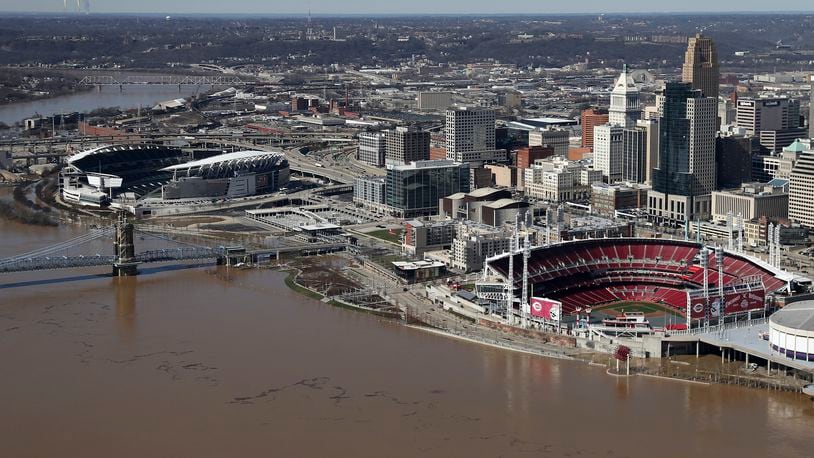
{"x": 86, "y": 153}
{"x": 236, "y": 157}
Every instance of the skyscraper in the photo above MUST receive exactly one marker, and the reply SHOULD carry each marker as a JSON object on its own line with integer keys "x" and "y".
{"x": 590, "y": 118}
{"x": 801, "y": 189}
{"x": 634, "y": 156}
{"x": 609, "y": 139}
{"x": 470, "y": 135}
{"x": 701, "y": 66}
{"x": 405, "y": 145}
{"x": 811, "y": 111}
{"x": 685, "y": 176}
{"x": 625, "y": 108}
{"x": 775, "y": 120}
{"x": 372, "y": 148}
{"x": 651, "y": 127}
{"x": 608, "y": 151}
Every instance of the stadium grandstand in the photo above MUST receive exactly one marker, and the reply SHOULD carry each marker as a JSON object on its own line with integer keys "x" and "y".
{"x": 238, "y": 174}
{"x": 97, "y": 176}
{"x": 595, "y": 272}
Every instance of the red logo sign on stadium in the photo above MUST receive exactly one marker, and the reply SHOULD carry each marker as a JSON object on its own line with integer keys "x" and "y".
{"x": 745, "y": 300}
{"x": 546, "y": 308}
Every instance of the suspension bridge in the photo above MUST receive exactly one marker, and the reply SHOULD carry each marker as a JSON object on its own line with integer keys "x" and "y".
{"x": 124, "y": 260}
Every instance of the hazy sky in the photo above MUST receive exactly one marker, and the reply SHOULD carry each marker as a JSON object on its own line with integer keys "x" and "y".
{"x": 409, "y": 6}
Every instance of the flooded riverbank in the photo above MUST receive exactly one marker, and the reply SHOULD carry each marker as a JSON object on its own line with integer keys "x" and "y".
{"x": 204, "y": 361}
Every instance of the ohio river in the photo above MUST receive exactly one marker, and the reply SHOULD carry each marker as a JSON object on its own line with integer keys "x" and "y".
{"x": 208, "y": 362}
{"x": 108, "y": 96}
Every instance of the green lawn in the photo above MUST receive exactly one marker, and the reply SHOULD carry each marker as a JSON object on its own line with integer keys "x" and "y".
{"x": 644, "y": 307}
{"x": 386, "y": 261}
{"x": 385, "y": 234}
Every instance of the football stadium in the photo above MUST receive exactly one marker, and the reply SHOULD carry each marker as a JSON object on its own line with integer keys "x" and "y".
{"x": 98, "y": 176}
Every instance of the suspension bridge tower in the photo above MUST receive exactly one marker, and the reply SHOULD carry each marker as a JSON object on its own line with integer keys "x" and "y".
{"x": 124, "y": 265}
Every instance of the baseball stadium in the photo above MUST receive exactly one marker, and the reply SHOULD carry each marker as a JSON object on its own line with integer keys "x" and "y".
{"x": 678, "y": 283}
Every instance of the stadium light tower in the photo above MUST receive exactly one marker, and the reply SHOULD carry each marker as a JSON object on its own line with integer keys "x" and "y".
{"x": 705, "y": 266}
{"x": 729, "y": 229}
{"x": 510, "y": 284}
{"x": 719, "y": 259}
{"x": 524, "y": 302}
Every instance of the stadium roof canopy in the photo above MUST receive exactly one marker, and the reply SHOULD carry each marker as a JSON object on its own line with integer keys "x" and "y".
{"x": 83, "y": 154}
{"x": 138, "y": 151}
{"x": 229, "y": 162}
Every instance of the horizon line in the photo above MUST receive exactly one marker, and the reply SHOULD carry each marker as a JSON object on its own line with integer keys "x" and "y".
{"x": 406, "y": 14}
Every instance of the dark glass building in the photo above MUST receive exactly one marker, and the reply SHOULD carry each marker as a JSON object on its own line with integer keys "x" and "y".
{"x": 685, "y": 176}
{"x": 415, "y": 189}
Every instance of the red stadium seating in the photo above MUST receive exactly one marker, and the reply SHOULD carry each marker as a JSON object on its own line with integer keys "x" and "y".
{"x": 599, "y": 271}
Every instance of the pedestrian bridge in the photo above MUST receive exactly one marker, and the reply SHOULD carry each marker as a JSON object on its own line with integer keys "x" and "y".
{"x": 124, "y": 259}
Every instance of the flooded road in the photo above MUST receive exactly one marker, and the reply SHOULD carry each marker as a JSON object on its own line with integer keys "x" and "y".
{"x": 204, "y": 362}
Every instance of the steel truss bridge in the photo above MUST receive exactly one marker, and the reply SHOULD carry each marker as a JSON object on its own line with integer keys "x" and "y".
{"x": 54, "y": 257}
{"x": 169, "y": 80}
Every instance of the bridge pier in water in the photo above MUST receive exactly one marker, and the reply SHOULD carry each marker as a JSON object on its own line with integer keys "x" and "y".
{"x": 125, "y": 264}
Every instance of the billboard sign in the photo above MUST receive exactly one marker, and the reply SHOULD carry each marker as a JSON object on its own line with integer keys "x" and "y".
{"x": 732, "y": 302}
{"x": 546, "y": 309}
{"x": 736, "y": 302}
{"x": 697, "y": 308}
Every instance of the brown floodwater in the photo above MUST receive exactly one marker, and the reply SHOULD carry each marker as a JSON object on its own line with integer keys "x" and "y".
{"x": 205, "y": 362}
